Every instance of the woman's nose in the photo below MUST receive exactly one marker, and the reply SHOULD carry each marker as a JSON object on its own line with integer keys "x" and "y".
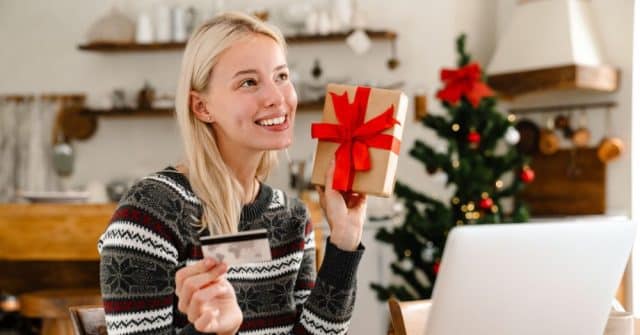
{"x": 273, "y": 95}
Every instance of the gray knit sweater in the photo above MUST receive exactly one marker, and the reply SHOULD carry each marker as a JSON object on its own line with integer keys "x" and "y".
{"x": 152, "y": 235}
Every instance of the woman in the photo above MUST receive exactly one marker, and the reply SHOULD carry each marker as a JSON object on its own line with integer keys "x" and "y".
{"x": 235, "y": 108}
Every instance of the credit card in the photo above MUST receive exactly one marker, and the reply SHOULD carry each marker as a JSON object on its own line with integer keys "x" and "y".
{"x": 251, "y": 246}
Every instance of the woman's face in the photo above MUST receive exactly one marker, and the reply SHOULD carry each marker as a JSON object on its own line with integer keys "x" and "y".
{"x": 250, "y": 97}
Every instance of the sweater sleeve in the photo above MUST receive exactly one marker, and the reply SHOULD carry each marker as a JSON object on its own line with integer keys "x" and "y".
{"x": 326, "y": 300}
{"x": 138, "y": 258}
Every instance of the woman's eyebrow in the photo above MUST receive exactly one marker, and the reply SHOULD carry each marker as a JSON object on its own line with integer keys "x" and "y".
{"x": 250, "y": 71}
{"x": 280, "y": 67}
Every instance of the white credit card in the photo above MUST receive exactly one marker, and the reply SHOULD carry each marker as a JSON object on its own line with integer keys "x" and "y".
{"x": 249, "y": 246}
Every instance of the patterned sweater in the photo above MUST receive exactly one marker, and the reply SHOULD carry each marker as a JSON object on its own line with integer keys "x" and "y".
{"x": 154, "y": 232}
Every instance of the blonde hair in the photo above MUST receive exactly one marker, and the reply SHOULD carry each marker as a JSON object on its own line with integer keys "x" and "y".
{"x": 219, "y": 192}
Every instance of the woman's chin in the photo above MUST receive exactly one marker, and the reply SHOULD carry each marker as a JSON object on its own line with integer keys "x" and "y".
{"x": 277, "y": 145}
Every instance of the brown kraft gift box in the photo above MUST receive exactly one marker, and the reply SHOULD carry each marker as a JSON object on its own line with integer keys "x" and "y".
{"x": 383, "y": 107}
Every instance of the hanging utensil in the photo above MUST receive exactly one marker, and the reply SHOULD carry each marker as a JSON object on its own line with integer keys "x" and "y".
{"x": 610, "y": 147}
{"x": 316, "y": 71}
{"x": 393, "y": 62}
{"x": 582, "y": 135}
{"x": 549, "y": 141}
{"x": 573, "y": 170}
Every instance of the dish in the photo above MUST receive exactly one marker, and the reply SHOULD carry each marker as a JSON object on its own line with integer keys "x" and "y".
{"x": 54, "y": 197}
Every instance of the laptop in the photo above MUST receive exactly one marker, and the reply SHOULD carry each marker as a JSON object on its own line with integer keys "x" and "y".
{"x": 530, "y": 279}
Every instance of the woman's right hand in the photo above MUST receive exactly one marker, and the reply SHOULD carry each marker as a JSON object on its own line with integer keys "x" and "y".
{"x": 207, "y": 298}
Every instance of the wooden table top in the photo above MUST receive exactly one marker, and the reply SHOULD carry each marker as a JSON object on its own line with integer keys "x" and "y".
{"x": 61, "y": 232}
{"x": 32, "y": 232}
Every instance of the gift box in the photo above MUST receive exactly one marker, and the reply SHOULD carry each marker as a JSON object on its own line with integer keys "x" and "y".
{"x": 362, "y": 129}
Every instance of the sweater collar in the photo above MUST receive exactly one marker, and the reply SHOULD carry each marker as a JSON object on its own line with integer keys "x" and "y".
{"x": 249, "y": 212}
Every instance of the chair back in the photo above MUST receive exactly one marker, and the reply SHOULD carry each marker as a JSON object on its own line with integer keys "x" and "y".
{"x": 88, "y": 320}
{"x": 409, "y": 317}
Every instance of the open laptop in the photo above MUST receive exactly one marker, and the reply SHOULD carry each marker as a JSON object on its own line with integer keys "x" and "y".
{"x": 543, "y": 278}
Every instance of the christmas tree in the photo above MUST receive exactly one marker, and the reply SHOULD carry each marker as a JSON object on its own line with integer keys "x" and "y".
{"x": 481, "y": 163}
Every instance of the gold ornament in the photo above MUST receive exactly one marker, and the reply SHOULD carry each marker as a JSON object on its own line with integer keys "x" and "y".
{"x": 407, "y": 253}
{"x": 484, "y": 195}
{"x": 455, "y": 127}
{"x": 455, "y": 163}
{"x": 455, "y": 200}
{"x": 459, "y": 222}
{"x": 499, "y": 183}
{"x": 511, "y": 117}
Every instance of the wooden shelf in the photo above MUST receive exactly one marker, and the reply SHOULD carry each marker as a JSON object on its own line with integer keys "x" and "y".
{"x": 128, "y": 112}
{"x": 338, "y": 37}
{"x": 303, "y": 106}
{"x": 127, "y": 47}
{"x": 87, "y": 119}
{"x": 582, "y": 77}
{"x": 294, "y": 39}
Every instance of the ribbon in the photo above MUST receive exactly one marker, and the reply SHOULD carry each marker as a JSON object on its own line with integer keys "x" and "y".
{"x": 355, "y": 136}
{"x": 466, "y": 81}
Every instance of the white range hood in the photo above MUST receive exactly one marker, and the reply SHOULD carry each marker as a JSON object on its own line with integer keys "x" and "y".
{"x": 550, "y": 44}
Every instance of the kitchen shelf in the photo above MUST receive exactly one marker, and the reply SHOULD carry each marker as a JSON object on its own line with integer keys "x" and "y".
{"x": 602, "y": 78}
{"x": 604, "y": 105}
{"x": 89, "y": 116}
{"x": 128, "y": 112}
{"x": 168, "y": 112}
{"x": 293, "y": 39}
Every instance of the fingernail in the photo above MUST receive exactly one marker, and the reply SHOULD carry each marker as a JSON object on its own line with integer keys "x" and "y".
{"x": 208, "y": 262}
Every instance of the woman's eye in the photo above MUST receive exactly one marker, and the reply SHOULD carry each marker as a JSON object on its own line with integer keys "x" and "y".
{"x": 283, "y": 76}
{"x": 248, "y": 82}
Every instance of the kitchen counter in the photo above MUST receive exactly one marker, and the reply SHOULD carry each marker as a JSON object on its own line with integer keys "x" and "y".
{"x": 54, "y": 246}
{"x": 53, "y": 232}
{"x": 63, "y": 232}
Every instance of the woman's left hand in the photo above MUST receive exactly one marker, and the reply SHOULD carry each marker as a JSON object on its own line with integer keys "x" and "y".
{"x": 345, "y": 213}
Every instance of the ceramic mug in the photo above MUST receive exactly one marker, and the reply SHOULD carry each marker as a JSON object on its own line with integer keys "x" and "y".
{"x": 610, "y": 148}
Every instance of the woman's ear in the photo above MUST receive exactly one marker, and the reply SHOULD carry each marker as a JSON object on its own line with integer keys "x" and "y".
{"x": 199, "y": 107}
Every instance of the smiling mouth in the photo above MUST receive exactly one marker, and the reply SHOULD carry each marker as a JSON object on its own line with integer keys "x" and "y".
{"x": 276, "y": 121}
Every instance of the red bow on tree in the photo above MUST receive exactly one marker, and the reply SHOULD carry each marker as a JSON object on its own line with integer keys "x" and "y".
{"x": 464, "y": 81}
{"x": 355, "y": 136}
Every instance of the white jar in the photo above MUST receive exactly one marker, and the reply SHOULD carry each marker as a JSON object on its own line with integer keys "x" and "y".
{"x": 163, "y": 24}
{"x": 179, "y": 24}
{"x": 144, "y": 29}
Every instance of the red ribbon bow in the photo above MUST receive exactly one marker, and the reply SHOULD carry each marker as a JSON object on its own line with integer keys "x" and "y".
{"x": 355, "y": 136}
{"x": 464, "y": 81}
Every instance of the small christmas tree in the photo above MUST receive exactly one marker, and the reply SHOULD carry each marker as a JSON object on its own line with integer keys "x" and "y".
{"x": 480, "y": 155}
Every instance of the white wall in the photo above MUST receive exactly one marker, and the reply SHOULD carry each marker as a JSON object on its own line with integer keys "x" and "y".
{"x": 39, "y": 54}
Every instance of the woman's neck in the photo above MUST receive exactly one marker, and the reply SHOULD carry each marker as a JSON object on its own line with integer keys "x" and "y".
{"x": 244, "y": 164}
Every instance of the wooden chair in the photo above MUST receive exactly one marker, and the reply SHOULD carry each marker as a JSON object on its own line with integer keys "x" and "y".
{"x": 52, "y": 306}
{"x": 88, "y": 320}
{"x": 409, "y": 317}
